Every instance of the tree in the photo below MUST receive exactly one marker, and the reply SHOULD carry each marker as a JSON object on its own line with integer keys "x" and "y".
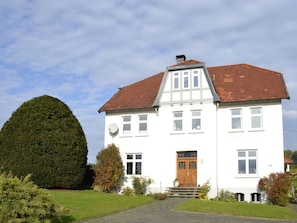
{"x": 43, "y": 138}
{"x": 109, "y": 168}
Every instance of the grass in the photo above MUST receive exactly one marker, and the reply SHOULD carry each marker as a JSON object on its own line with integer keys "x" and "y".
{"x": 87, "y": 204}
{"x": 238, "y": 209}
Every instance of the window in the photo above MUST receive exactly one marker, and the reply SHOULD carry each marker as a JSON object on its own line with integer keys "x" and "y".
{"x": 186, "y": 80}
{"x": 177, "y": 121}
{"x": 126, "y": 124}
{"x": 236, "y": 119}
{"x": 176, "y": 81}
{"x": 195, "y": 79}
{"x": 196, "y": 120}
{"x": 256, "y": 118}
{"x": 247, "y": 162}
{"x": 142, "y": 123}
{"x": 134, "y": 164}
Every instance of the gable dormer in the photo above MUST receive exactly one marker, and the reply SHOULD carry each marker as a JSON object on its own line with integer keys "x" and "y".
{"x": 187, "y": 81}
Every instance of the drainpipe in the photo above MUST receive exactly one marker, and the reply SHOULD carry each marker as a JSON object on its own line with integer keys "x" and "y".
{"x": 217, "y": 149}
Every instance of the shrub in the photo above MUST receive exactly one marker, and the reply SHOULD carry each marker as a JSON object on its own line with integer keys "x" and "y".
{"x": 160, "y": 196}
{"x": 109, "y": 168}
{"x": 140, "y": 184}
{"x": 226, "y": 196}
{"x": 43, "y": 138}
{"x": 22, "y": 201}
{"x": 127, "y": 191}
{"x": 204, "y": 189}
{"x": 277, "y": 187}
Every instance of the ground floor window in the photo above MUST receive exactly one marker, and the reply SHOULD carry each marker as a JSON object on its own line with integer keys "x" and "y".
{"x": 247, "y": 162}
{"x": 133, "y": 164}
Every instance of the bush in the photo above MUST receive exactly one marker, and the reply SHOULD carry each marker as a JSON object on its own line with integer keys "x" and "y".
{"x": 226, "y": 196}
{"x": 160, "y": 196}
{"x": 127, "y": 191}
{"x": 22, "y": 201}
{"x": 277, "y": 187}
{"x": 140, "y": 184}
{"x": 204, "y": 189}
{"x": 109, "y": 168}
{"x": 43, "y": 138}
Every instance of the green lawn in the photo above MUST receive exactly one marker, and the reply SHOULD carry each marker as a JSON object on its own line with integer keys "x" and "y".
{"x": 239, "y": 209}
{"x": 87, "y": 204}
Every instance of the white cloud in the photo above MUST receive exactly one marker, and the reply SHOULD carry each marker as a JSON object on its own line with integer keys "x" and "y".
{"x": 290, "y": 114}
{"x": 80, "y": 52}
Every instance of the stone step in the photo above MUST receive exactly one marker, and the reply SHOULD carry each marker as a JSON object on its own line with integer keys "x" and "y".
{"x": 183, "y": 192}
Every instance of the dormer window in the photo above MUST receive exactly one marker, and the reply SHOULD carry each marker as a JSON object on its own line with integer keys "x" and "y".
{"x": 176, "y": 81}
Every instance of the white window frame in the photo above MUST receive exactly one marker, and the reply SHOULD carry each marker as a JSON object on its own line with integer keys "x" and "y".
{"x": 126, "y": 126}
{"x": 195, "y": 75}
{"x": 196, "y": 115}
{"x": 142, "y": 123}
{"x": 245, "y": 161}
{"x": 234, "y": 117}
{"x": 176, "y": 81}
{"x": 186, "y": 80}
{"x": 134, "y": 161}
{"x": 258, "y": 116}
{"x": 177, "y": 119}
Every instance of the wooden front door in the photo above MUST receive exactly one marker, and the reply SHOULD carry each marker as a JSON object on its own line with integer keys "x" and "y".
{"x": 186, "y": 166}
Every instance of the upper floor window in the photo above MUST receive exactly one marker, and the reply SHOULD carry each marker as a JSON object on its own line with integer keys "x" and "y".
{"x": 196, "y": 120}
{"x": 195, "y": 79}
{"x": 256, "y": 118}
{"x": 247, "y": 161}
{"x": 186, "y": 80}
{"x": 177, "y": 121}
{"x": 176, "y": 81}
{"x": 133, "y": 164}
{"x": 236, "y": 119}
{"x": 126, "y": 124}
{"x": 142, "y": 120}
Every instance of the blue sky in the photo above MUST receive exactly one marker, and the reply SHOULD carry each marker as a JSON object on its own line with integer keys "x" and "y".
{"x": 82, "y": 51}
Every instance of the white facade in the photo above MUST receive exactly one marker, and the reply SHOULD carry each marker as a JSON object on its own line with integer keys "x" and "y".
{"x": 189, "y": 118}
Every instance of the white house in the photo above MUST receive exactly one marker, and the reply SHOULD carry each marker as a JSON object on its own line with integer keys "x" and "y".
{"x": 198, "y": 123}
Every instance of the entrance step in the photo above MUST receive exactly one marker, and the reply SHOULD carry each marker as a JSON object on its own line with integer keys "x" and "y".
{"x": 183, "y": 192}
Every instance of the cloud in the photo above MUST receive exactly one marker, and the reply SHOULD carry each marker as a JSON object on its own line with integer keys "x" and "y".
{"x": 290, "y": 114}
{"x": 81, "y": 52}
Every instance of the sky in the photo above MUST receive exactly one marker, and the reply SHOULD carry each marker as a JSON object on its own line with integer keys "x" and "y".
{"x": 81, "y": 52}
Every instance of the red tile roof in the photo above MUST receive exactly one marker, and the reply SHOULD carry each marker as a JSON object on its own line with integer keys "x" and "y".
{"x": 233, "y": 83}
{"x": 243, "y": 82}
{"x": 141, "y": 94}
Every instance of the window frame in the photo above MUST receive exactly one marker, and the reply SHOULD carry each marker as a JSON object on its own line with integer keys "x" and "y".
{"x": 176, "y": 81}
{"x": 186, "y": 80}
{"x": 234, "y": 117}
{"x": 257, "y": 115}
{"x": 196, "y": 117}
{"x": 176, "y": 120}
{"x": 126, "y": 123}
{"x": 195, "y": 75}
{"x": 246, "y": 162}
{"x": 141, "y": 122}
{"x": 133, "y": 164}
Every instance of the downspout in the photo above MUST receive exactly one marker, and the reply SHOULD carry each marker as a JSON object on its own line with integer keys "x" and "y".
{"x": 217, "y": 150}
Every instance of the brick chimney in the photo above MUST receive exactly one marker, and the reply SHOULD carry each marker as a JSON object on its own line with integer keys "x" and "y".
{"x": 180, "y": 58}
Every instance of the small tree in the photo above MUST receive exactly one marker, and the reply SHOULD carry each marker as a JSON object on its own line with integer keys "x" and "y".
{"x": 109, "y": 168}
{"x": 277, "y": 187}
{"x": 22, "y": 201}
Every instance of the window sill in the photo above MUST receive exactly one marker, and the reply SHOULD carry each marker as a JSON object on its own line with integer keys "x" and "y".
{"x": 142, "y": 135}
{"x": 236, "y": 131}
{"x": 256, "y": 130}
{"x": 177, "y": 133}
{"x": 126, "y": 136}
{"x": 247, "y": 176}
{"x": 196, "y": 132}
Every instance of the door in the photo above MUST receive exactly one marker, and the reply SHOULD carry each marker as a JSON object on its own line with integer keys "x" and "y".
{"x": 187, "y": 168}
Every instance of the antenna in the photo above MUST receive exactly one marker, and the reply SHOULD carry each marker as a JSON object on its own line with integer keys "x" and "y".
{"x": 113, "y": 129}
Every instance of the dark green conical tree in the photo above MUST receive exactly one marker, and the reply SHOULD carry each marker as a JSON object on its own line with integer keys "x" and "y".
{"x": 44, "y": 138}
